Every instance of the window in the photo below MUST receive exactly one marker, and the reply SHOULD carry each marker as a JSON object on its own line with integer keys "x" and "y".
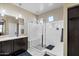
{"x": 50, "y": 18}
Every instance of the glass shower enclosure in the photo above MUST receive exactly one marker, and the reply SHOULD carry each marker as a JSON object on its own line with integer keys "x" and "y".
{"x": 42, "y": 34}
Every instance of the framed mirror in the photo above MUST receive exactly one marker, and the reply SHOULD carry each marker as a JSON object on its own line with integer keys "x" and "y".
{"x": 11, "y": 26}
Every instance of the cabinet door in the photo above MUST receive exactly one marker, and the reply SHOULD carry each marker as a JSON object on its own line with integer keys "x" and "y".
{"x": 0, "y": 47}
{"x": 7, "y": 47}
{"x": 19, "y": 44}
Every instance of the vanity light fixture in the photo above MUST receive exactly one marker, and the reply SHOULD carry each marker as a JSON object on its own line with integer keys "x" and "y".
{"x": 3, "y": 12}
{"x": 16, "y": 17}
{"x": 20, "y": 16}
{"x": 41, "y": 21}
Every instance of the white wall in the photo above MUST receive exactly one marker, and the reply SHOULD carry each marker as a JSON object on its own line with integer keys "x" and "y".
{"x": 56, "y": 13}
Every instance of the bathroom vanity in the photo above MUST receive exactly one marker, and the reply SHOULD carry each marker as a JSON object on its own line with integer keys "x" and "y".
{"x": 13, "y": 38}
{"x": 10, "y": 45}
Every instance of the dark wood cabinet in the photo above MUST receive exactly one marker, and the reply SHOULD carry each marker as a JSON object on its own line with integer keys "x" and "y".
{"x": 9, "y": 47}
{"x": 20, "y": 44}
{"x": 0, "y": 47}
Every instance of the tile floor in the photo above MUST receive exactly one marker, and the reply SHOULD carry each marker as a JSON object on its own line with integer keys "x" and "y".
{"x": 38, "y": 51}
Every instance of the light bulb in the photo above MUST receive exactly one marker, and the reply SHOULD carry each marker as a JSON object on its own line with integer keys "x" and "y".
{"x": 41, "y": 20}
{"x": 20, "y": 16}
{"x": 3, "y": 12}
{"x": 16, "y": 17}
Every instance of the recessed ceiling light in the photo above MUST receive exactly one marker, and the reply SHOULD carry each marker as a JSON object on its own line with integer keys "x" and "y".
{"x": 37, "y": 11}
{"x": 50, "y": 4}
{"x": 20, "y": 4}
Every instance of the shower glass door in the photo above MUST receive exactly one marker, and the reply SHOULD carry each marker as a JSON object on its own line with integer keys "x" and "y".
{"x": 35, "y": 35}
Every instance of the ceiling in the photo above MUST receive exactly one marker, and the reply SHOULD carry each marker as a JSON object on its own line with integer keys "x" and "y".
{"x": 39, "y": 8}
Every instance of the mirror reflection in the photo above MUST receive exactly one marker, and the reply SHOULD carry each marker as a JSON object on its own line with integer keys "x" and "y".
{"x": 1, "y": 26}
{"x": 11, "y": 26}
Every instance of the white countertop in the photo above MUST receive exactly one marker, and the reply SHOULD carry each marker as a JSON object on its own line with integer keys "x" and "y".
{"x": 6, "y": 37}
